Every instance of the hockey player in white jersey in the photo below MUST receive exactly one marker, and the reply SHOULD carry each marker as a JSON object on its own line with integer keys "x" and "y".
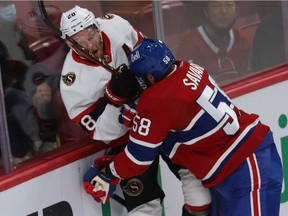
{"x": 83, "y": 92}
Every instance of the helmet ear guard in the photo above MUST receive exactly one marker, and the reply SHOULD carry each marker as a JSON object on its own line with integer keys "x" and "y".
{"x": 76, "y": 20}
{"x": 150, "y": 56}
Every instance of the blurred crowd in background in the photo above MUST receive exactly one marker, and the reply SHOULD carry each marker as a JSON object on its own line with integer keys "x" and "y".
{"x": 232, "y": 40}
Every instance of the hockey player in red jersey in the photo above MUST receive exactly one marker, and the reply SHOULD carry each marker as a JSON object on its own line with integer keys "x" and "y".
{"x": 83, "y": 92}
{"x": 187, "y": 116}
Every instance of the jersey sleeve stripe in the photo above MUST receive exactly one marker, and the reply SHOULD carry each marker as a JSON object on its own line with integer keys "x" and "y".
{"x": 134, "y": 160}
{"x": 143, "y": 143}
{"x": 198, "y": 138}
{"x": 194, "y": 120}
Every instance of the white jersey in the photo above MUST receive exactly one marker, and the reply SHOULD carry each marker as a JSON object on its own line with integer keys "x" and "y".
{"x": 82, "y": 85}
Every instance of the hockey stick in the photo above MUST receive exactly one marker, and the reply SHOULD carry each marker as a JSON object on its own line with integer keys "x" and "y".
{"x": 73, "y": 44}
{"x": 119, "y": 199}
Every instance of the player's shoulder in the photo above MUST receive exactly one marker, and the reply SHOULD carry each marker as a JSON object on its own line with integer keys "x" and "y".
{"x": 110, "y": 18}
{"x": 113, "y": 24}
{"x": 151, "y": 99}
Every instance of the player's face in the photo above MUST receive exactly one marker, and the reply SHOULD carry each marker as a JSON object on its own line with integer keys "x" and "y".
{"x": 222, "y": 13}
{"x": 90, "y": 39}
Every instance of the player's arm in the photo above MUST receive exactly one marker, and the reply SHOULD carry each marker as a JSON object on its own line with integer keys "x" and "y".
{"x": 138, "y": 155}
{"x": 150, "y": 128}
{"x": 100, "y": 122}
{"x": 101, "y": 184}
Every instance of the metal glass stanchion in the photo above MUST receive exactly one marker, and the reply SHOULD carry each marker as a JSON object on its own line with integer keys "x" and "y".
{"x": 4, "y": 138}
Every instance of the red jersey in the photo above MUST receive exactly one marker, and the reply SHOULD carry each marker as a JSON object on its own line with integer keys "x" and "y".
{"x": 197, "y": 47}
{"x": 192, "y": 121}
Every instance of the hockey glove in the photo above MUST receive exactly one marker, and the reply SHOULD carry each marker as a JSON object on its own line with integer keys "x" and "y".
{"x": 104, "y": 186}
{"x": 92, "y": 172}
{"x": 127, "y": 114}
{"x": 122, "y": 88}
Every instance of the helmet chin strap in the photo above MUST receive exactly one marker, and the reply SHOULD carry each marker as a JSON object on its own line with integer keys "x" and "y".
{"x": 101, "y": 39}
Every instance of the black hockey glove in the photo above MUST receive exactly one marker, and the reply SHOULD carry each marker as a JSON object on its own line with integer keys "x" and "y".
{"x": 122, "y": 88}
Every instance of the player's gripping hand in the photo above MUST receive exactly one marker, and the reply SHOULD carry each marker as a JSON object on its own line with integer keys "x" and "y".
{"x": 104, "y": 186}
{"x": 122, "y": 88}
{"x": 92, "y": 172}
{"x": 127, "y": 114}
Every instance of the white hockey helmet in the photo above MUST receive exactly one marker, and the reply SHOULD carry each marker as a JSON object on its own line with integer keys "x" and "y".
{"x": 75, "y": 20}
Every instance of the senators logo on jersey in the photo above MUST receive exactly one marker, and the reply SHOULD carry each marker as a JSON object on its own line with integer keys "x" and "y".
{"x": 69, "y": 78}
{"x": 134, "y": 187}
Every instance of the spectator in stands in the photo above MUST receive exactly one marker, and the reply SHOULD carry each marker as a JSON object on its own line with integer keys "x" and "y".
{"x": 268, "y": 48}
{"x": 47, "y": 53}
{"x": 8, "y": 14}
{"x": 7, "y": 11}
{"x": 223, "y": 50}
{"x": 22, "y": 125}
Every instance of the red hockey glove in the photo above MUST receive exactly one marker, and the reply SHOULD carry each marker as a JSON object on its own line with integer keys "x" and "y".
{"x": 92, "y": 172}
{"x": 120, "y": 89}
{"x": 127, "y": 114}
{"x": 103, "y": 161}
{"x": 104, "y": 186}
